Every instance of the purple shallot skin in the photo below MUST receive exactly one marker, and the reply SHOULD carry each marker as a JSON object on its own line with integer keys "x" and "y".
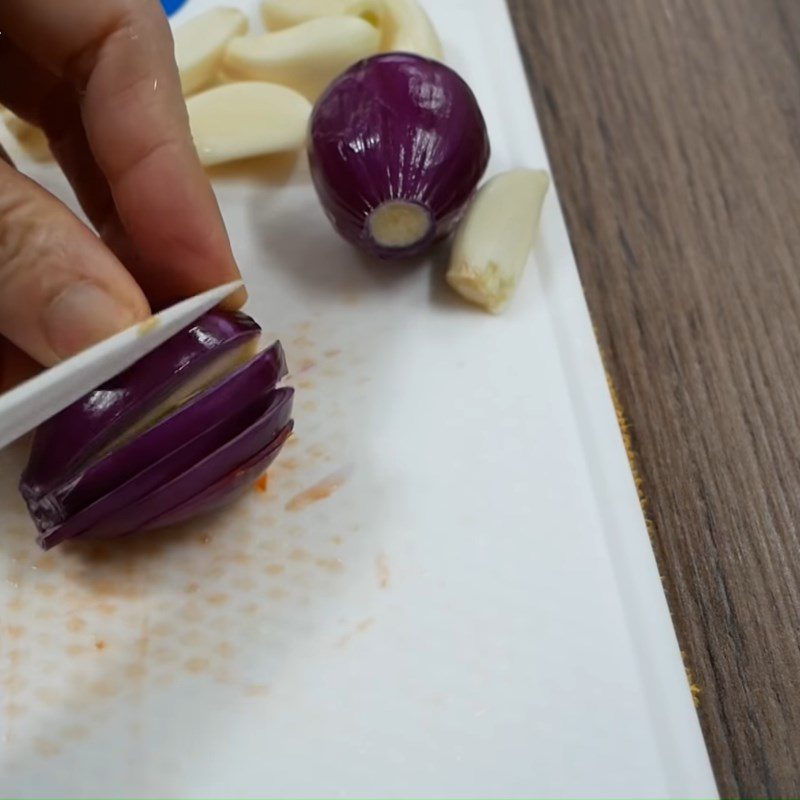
{"x": 227, "y": 489}
{"x": 175, "y": 435}
{"x": 129, "y": 510}
{"x": 397, "y": 130}
{"x": 84, "y": 427}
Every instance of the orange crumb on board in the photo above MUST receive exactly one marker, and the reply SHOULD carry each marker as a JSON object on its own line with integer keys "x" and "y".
{"x": 47, "y": 695}
{"x": 71, "y": 732}
{"x": 46, "y": 748}
{"x": 319, "y": 491}
{"x": 225, "y": 649}
{"x": 104, "y": 688}
{"x": 630, "y": 450}
{"x": 299, "y": 554}
{"x": 382, "y": 571}
{"x": 100, "y": 644}
{"x": 13, "y": 683}
{"x": 135, "y": 671}
{"x": 262, "y": 482}
{"x": 150, "y": 324}
{"x": 306, "y": 364}
{"x": 362, "y": 626}
{"x": 694, "y": 689}
{"x": 330, "y": 564}
{"x": 195, "y": 665}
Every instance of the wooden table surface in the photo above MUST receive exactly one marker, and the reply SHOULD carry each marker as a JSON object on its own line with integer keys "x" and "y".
{"x": 673, "y": 129}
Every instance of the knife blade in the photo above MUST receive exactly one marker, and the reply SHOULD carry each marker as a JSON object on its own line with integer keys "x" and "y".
{"x": 32, "y": 402}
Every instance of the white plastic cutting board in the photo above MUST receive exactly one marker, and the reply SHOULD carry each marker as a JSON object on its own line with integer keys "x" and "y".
{"x": 447, "y": 588}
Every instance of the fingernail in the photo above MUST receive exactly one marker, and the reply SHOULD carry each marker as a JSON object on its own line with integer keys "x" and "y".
{"x": 82, "y": 315}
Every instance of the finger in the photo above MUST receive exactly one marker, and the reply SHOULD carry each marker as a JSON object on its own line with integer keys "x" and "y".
{"x": 33, "y": 89}
{"x": 61, "y": 289}
{"x": 119, "y": 54}
{"x": 27, "y": 88}
{"x": 16, "y": 366}
{"x": 37, "y": 89}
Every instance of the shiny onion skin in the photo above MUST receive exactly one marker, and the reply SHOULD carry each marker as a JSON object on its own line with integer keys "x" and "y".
{"x": 90, "y": 477}
{"x": 93, "y": 421}
{"x": 396, "y": 148}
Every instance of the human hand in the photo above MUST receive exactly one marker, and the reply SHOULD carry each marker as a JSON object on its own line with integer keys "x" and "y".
{"x": 100, "y": 79}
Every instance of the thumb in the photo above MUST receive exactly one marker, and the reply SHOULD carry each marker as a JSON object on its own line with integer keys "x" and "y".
{"x": 61, "y": 289}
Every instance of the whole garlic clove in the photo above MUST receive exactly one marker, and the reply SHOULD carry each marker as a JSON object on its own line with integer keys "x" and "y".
{"x": 306, "y": 57}
{"x": 404, "y": 25}
{"x": 372, "y": 11}
{"x": 242, "y": 120}
{"x": 18, "y": 127}
{"x": 200, "y": 44}
{"x": 280, "y": 14}
{"x": 29, "y": 137}
{"x": 494, "y": 238}
{"x": 408, "y": 29}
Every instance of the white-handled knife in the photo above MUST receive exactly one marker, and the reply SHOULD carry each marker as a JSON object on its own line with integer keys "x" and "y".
{"x": 31, "y": 403}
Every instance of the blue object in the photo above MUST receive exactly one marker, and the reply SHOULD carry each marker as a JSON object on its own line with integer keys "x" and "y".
{"x": 171, "y": 6}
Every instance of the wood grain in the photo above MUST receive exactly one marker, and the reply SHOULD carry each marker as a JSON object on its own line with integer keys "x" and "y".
{"x": 673, "y": 127}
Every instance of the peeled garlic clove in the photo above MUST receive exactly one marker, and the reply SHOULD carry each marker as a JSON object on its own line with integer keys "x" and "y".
{"x": 408, "y": 29}
{"x": 29, "y": 137}
{"x": 404, "y": 25}
{"x": 19, "y": 128}
{"x": 200, "y": 43}
{"x": 242, "y": 120}
{"x": 494, "y": 238}
{"x": 306, "y": 57}
{"x": 280, "y": 14}
{"x": 372, "y": 11}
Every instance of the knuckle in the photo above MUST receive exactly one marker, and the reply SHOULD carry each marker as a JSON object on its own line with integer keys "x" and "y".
{"x": 17, "y": 212}
{"x": 117, "y": 25}
{"x": 24, "y": 233}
